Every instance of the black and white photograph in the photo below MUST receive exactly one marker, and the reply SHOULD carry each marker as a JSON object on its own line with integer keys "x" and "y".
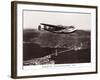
{"x": 53, "y": 39}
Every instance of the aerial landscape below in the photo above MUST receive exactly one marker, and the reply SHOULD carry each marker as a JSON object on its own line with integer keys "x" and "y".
{"x": 43, "y": 47}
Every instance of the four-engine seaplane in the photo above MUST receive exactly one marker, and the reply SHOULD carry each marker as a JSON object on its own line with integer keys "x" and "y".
{"x": 56, "y": 28}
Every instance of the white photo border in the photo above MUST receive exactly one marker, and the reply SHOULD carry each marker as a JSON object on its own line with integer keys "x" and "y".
{"x": 63, "y": 68}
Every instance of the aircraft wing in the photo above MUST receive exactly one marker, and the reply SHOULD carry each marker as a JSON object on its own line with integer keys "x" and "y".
{"x": 50, "y": 25}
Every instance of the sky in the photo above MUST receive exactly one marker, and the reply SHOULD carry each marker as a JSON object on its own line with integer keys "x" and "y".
{"x": 31, "y": 19}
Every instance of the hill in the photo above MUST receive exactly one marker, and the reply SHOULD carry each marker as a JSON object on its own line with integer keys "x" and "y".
{"x": 54, "y": 40}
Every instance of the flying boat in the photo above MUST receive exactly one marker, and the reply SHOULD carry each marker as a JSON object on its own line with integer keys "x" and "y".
{"x": 56, "y": 28}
